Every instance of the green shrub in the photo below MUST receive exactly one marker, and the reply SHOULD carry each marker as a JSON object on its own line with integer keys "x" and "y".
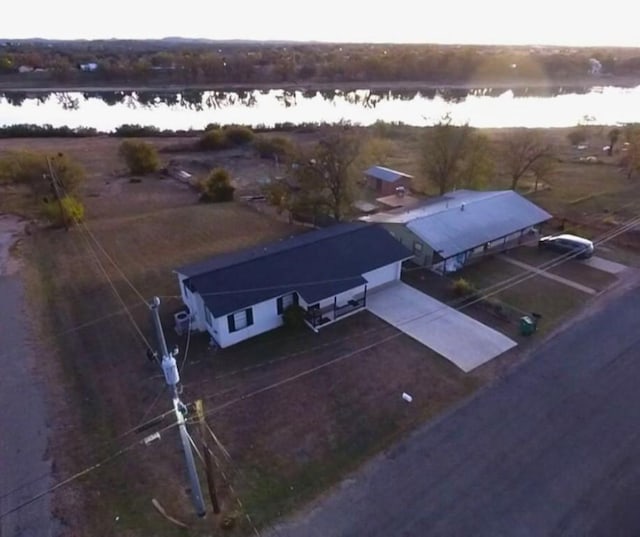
{"x": 462, "y": 287}
{"x": 293, "y": 316}
{"x": 213, "y": 140}
{"x": 217, "y": 187}
{"x": 141, "y": 157}
{"x": 274, "y": 146}
{"x": 31, "y": 168}
{"x": 135, "y": 131}
{"x": 69, "y": 211}
{"x": 45, "y": 131}
{"x": 238, "y": 135}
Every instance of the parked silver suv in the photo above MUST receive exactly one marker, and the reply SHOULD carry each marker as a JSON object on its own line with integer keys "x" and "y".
{"x": 565, "y": 243}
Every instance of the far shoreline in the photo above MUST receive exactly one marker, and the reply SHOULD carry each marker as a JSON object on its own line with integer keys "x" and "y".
{"x": 574, "y": 82}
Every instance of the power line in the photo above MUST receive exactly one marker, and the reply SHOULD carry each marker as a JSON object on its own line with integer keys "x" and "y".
{"x": 79, "y": 474}
{"x": 492, "y": 291}
{"x": 59, "y": 186}
{"x": 547, "y": 266}
{"x": 118, "y": 296}
{"x": 301, "y": 374}
{"x": 307, "y": 283}
{"x": 205, "y": 460}
{"x": 115, "y": 265}
{"x": 172, "y": 378}
{"x": 78, "y": 327}
{"x": 57, "y": 182}
{"x": 186, "y": 347}
{"x": 164, "y": 387}
{"x": 142, "y": 426}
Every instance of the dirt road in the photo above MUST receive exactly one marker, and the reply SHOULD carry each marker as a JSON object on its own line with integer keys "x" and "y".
{"x": 24, "y": 467}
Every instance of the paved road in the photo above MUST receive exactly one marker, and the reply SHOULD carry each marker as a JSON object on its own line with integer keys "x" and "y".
{"x": 553, "y": 449}
{"x": 23, "y": 427}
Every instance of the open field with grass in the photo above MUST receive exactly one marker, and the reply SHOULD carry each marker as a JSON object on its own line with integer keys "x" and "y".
{"x": 295, "y": 410}
{"x": 572, "y": 269}
{"x": 551, "y": 299}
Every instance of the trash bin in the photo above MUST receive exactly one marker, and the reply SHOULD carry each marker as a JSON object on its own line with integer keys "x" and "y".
{"x": 527, "y": 325}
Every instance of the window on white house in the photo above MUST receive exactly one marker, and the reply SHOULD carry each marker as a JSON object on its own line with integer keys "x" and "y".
{"x": 285, "y": 301}
{"x": 240, "y": 319}
{"x": 208, "y": 317}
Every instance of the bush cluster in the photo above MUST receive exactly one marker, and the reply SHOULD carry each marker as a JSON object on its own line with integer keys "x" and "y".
{"x": 462, "y": 287}
{"x": 217, "y": 187}
{"x": 25, "y": 130}
{"x": 216, "y": 138}
{"x": 141, "y": 157}
{"x": 274, "y": 146}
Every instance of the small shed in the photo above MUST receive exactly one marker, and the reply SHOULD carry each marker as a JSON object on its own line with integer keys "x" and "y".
{"x": 385, "y": 181}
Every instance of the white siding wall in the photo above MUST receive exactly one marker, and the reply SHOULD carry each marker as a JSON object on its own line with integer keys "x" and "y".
{"x": 265, "y": 318}
{"x": 382, "y": 275}
{"x": 195, "y": 304}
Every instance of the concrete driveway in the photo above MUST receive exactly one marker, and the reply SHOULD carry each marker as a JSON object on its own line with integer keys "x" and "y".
{"x": 459, "y": 338}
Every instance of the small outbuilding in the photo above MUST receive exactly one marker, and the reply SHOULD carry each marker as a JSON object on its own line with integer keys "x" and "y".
{"x": 386, "y": 182}
{"x": 448, "y": 231}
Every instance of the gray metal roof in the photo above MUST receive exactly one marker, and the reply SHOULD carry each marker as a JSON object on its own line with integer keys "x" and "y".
{"x": 385, "y": 174}
{"x": 474, "y": 219}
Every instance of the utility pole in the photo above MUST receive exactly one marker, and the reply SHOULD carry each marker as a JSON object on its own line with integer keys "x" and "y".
{"x": 172, "y": 376}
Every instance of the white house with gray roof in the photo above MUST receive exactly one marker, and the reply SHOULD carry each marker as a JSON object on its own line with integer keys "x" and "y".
{"x": 327, "y": 272}
{"x": 446, "y": 232}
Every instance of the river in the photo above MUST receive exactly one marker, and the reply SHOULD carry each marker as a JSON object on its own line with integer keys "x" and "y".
{"x": 482, "y": 107}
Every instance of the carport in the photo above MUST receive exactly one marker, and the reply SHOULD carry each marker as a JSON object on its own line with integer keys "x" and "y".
{"x": 459, "y": 338}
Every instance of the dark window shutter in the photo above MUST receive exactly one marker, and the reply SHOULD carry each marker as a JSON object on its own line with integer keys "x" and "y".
{"x": 249, "y": 316}
{"x": 280, "y": 308}
{"x": 232, "y": 323}
{"x": 295, "y": 298}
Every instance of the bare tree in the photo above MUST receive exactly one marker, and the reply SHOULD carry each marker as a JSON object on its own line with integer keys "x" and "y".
{"x": 455, "y": 156}
{"x": 542, "y": 169}
{"x": 522, "y": 151}
{"x": 326, "y": 175}
{"x": 614, "y": 136}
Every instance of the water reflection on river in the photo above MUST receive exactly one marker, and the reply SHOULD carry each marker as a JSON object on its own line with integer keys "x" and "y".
{"x": 484, "y": 107}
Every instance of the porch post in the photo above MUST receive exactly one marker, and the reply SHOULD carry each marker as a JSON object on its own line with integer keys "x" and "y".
{"x": 365, "y": 295}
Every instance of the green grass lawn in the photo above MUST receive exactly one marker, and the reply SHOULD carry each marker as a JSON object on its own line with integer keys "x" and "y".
{"x": 103, "y": 364}
{"x": 571, "y": 269}
{"x": 551, "y": 299}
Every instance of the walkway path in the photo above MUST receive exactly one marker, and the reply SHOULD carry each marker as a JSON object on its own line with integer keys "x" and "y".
{"x": 550, "y": 275}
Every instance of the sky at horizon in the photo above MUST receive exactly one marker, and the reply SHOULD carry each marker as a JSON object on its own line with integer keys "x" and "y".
{"x": 543, "y": 22}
